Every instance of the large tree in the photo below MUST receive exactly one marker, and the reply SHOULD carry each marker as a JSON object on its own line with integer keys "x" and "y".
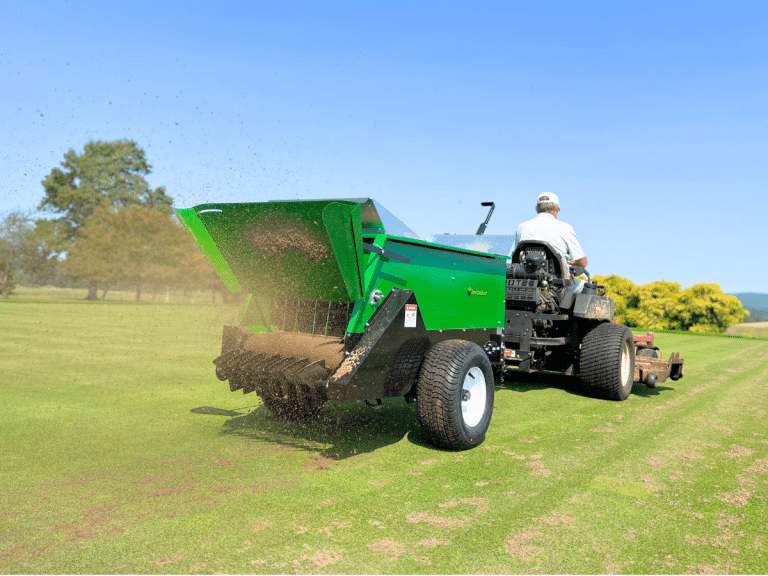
{"x": 137, "y": 245}
{"x": 705, "y": 308}
{"x": 105, "y": 174}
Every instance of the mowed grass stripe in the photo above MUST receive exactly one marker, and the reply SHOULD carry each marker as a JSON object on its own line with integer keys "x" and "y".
{"x": 127, "y": 455}
{"x": 638, "y": 440}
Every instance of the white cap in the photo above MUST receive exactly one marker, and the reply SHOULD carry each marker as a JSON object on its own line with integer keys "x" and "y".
{"x": 548, "y": 197}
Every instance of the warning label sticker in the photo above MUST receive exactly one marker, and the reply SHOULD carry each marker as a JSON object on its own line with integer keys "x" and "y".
{"x": 410, "y": 315}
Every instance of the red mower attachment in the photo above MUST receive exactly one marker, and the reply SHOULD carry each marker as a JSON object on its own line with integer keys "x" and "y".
{"x": 650, "y": 367}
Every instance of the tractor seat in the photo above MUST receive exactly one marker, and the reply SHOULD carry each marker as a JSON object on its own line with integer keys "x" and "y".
{"x": 554, "y": 263}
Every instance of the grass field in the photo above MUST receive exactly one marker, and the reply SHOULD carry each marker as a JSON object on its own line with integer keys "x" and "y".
{"x": 150, "y": 294}
{"x": 122, "y": 453}
{"x": 754, "y": 329}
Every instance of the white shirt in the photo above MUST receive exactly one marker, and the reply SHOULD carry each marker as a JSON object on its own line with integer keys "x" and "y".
{"x": 547, "y": 228}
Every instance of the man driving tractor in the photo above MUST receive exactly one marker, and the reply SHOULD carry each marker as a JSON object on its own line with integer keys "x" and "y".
{"x": 546, "y": 228}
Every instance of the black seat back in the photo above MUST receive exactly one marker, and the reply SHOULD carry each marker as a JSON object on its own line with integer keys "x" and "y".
{"x": 555, "y": 264}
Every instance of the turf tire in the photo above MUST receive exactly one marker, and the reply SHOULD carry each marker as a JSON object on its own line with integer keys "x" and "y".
{"x": 607, "y": 361}
{"x": 647, "y": 353}
{"x": 450, "y": 419}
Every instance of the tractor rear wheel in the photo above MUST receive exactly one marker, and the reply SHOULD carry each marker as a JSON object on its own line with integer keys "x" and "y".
{"x": 454, "y": 399}
{"x": 607, "y": 361}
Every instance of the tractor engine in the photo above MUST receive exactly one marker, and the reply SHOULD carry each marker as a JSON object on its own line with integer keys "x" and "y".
{"x": 542, "y": 295}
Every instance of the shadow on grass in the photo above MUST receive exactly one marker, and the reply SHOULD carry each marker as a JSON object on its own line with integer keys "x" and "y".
{"x": 350, "y": 428}
{"x": 525, "y": 382}
{"x": 517, "y": 381}
{"x": 215, "y": 411}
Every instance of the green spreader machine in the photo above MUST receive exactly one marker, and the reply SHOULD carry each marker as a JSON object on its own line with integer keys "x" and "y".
{"x": 345, "y": 303}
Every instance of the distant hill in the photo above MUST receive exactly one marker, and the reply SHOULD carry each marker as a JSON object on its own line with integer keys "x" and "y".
{"x": 756, "y": 303}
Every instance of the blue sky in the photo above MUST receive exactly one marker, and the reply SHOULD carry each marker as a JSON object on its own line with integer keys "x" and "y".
{"x": 648, "y": 119}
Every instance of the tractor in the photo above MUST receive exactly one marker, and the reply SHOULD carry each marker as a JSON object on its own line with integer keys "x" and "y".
{"x": 344, "y": 302}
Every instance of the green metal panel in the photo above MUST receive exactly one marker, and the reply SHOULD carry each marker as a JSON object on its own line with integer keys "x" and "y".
{"x": 308, "y": 249}
{"x": 456, "y": 288}
{"x": 343, "y": 224}
{"x": 313, "y": 250}
{"x": 195, "y": 226}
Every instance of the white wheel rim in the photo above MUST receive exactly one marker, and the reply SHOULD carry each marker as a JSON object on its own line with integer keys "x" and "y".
{"x": 626, "y": 376}
{"x": 473, "y": 397}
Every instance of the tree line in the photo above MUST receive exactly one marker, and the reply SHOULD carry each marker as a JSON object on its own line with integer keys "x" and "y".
{"x": 101, "y": 223}
{"x": 664, "y": 305}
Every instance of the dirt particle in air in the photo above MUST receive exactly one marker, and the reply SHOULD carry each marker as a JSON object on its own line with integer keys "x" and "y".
{"x": 281, "y": 234}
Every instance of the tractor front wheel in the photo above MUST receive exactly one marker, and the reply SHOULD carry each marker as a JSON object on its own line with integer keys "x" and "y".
{"x": 607, "y": 363}
{"x": 454, "y": 399}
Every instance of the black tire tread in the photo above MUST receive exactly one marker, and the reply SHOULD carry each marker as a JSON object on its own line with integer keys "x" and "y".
{"x": 440, "y": 388}
{"x": 600, "y": 360}
{"x": 647, "y": 353}
{"x": 402, "y": 377}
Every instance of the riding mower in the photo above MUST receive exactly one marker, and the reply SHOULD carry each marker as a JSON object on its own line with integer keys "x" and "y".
{"x": 344, "y": 303}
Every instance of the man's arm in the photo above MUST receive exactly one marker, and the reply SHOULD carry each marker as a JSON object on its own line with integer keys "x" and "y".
{"x": 580, "y": 259}
{"x": 580, "y": 262}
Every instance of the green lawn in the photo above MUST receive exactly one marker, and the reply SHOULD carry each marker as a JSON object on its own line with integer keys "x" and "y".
{"x": 755, "y": 329}
{"x": 122, "y": 453}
